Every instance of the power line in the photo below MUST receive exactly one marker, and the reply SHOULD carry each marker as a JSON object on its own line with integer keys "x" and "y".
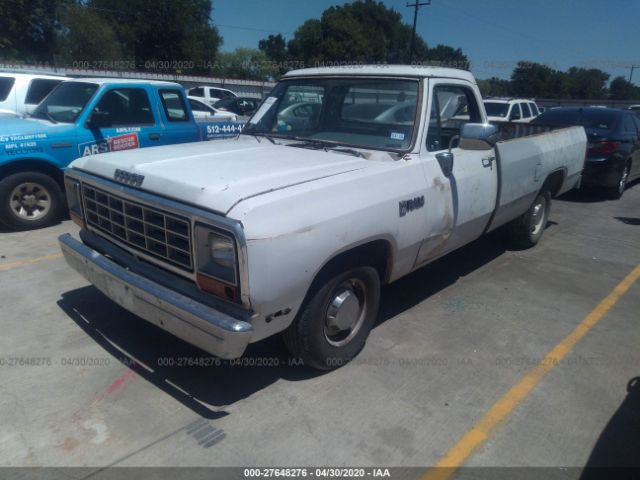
{"x": 416, "y": 6}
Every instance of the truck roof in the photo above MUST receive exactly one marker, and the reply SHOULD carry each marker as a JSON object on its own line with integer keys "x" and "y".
{"x": 104, "y": 81}
{"x": 385, "y": 70}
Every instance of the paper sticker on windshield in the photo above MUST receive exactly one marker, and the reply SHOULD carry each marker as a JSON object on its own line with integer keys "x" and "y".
{"x": 264, "y": 108}
{"x": 397, "y": 136}
{"x": 109, "y": 144}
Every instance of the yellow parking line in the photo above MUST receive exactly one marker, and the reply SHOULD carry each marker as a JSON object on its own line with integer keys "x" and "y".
{"x": 29, "y": 261}
{"x": 498, "y": 413}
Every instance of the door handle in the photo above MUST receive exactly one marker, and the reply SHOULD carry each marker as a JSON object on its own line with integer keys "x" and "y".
{"x": 487, "y": 162}
{"x": 154, "y": 136}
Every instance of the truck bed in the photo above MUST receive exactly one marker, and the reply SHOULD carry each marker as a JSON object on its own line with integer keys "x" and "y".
{"x": 526, "y": 155}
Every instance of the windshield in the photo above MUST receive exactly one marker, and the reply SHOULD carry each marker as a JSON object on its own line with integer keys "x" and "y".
{"x": 66, "y": 102}
{"x": 358, "y": 112}
{"x": 496, "y": 109}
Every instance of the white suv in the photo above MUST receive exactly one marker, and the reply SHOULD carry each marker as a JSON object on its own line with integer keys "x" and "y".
{"x": 210, "y": 95}
{"x": 520, "y": 110}
{"x": 20, "y": 93}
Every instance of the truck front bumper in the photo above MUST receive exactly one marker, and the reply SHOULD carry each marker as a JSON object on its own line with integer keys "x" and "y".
{"x": 215, "y": 332}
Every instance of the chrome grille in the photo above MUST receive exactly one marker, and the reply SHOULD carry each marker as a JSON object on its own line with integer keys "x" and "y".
{"x": 148, "y": 230}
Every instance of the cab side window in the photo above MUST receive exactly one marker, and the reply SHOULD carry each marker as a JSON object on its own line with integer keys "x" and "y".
{"x": 515, "y": 112}
{"x": 452, "y": 106}
{"x": 126, "y": 107}
{"x": 174, "y": 106}
{"x": 526, "y": 111}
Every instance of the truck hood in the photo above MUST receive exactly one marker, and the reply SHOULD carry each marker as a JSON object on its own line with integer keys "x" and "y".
{"x": 217, "y": 175}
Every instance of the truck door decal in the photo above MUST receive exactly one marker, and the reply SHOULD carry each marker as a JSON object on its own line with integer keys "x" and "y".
{"x": 128, "y": 141}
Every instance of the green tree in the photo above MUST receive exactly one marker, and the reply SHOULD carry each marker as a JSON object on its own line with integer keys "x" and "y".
{"x": 534, "y": 80}
{"x": 28, "y": 29}
{"x": 448, "y": 56}
{"x": 275, "y": 49}
{"x": 86, "y": 37}
{"x": 177, "y": 33}
{"x": 586, "y": 84}
{"x": 362, "y": 32}
{"x": 245, "y": 63}
{"x": 621, "y": 89}
{"x": 495, "y": 87}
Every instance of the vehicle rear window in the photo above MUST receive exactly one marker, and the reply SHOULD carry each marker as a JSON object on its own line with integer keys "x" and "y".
{"x": 597, "y": 119}
{"x": 174, "y": 106}
{"x": 496, "y": 109}
{"x": 6, "y": 84}
{"x": 40, "y": 88}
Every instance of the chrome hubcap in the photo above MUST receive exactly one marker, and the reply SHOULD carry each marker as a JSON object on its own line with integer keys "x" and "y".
{"x": 537, "y": 217}
{"x": 345, "y": 312}
{"x": 30, "y": 201}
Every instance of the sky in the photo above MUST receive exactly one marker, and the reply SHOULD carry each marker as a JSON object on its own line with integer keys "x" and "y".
{"x": 494, "y": 34}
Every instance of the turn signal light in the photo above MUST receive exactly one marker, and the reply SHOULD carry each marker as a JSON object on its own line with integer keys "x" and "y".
{"x": 217, "y": 288}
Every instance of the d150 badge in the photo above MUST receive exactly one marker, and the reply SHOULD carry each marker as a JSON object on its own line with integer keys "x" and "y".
{"x": 128, "y": 178}
{"x": 109, "y": 144}
{"x": 411, "y": 205}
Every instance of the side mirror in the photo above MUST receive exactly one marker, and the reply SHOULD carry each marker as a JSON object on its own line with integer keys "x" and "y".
{"x": 478, "y": 136}
{"x": 515, "y": 116}
{"x": 99, "y": 120}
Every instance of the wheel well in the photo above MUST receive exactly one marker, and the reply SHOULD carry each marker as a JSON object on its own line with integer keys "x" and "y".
{"x": 33, "y": 166}
{"x": 554, "y": 182}
{"x": 376, "y": 254}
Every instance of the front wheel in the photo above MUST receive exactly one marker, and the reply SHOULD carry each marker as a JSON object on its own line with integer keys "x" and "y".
{"x": 526, "y": 230}
{"x": 334, "y": 324}
{"x": 29, "y": 200}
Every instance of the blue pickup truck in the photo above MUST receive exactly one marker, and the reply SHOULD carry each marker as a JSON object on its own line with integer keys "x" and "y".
{"x": 86, "y": 117}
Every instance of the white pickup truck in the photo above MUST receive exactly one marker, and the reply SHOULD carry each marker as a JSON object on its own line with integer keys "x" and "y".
{"x": 370, "y": 173}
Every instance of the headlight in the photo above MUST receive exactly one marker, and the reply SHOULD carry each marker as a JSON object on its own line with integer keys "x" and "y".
{"x": 216, "y": 253}
{"x": 222, "y": 251}
{"x": 74, "y": 201}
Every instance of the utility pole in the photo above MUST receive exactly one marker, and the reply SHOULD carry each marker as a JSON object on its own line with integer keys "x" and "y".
{"x": 416, "y": 6}
{"x": 632, "y": 67}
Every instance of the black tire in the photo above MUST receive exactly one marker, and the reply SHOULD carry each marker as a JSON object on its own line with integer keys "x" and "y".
{"x": 526, "y": 230}
{"x": 615, "y": 193}
{"x": 320, "y": 345}
{"x": 19, "y": 189}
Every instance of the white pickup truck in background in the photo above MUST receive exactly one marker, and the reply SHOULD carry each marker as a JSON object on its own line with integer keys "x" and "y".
{"x": 20, "y": 93}
{"x": 343, "y": 180}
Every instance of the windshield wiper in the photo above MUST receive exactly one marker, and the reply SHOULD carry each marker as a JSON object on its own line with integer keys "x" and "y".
{"x": 258, "y": 135}
{"x": 326, "y": 146}
{"x": 351, "y": 151}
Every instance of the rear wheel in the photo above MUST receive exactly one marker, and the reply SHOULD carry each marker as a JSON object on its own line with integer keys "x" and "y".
{"x": 29, "y": 200}
{"x": 526, "y": 230}
{"x": 616, "y": 192}
{"x": 334, "y": 324}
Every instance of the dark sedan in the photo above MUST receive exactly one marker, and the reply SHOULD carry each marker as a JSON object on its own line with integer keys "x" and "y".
{"x": 613, "y": 155}
{"x": 244, "y": 106}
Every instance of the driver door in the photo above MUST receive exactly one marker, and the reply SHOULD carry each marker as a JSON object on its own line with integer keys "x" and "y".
{"x": 462, "y": 201}
{"x": 126, "y": 121}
